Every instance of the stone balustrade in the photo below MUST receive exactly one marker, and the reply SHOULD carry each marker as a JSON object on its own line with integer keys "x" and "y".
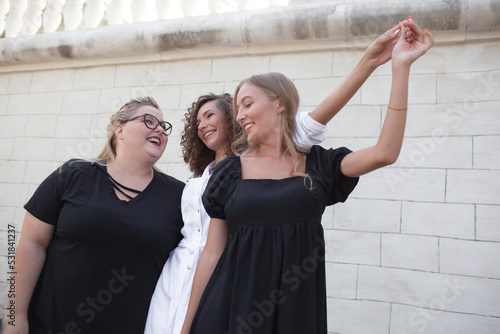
{"x": 30, "y": 17}
{"x": 299, "y": 21}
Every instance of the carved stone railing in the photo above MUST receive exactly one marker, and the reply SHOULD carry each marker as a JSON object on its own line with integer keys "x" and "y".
{"x": 29, "y": 17}
{"x": 340, "y": 25}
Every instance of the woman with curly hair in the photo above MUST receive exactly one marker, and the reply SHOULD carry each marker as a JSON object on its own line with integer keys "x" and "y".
{"x": 210, "y": 129}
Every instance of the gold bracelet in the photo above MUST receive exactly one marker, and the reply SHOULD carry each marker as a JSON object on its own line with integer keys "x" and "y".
{"x": 396, "y": 109}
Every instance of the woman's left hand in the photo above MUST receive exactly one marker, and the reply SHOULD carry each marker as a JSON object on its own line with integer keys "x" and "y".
{"x": 411, "y": 44}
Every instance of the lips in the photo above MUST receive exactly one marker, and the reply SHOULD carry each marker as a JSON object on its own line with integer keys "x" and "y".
{"x": 248, "y": 126}
{"x": 154, "y": 140}
{"x": 208, "y": 134}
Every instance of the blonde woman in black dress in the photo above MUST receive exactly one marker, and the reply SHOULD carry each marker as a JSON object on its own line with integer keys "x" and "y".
{"x": 265, "y": 246}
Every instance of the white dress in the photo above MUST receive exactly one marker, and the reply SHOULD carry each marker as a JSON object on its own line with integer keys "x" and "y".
{"x": 170, "y": 300}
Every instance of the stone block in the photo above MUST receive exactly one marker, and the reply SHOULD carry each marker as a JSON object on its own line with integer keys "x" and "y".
{"x": 432, "y": 291}
{"x": 438, "y": 219}
{"x": 473, "y": 186}
{"x": 37, "y": 171}
{"x": 313, "y": 91}
{"x": 431, "y": 152}
{"x": 80, "y": 102}
{"x": 6, "y": 148}
{"x": 487, "y": 226}
{"x": 358, "y": 316}
{"x": 303, "y": 65}
{"x": 353, "y": 144}
{"x": 4, "y": 101}
{"x": 98, "y": 127}
{"x": 12, "y": 126}
{"x": 19, "y": 83}
{"x": 35, "y": 104}
{"x": 13, "y": 194}
{"x": 12, "y": 171}
{"x": 181, "y": 72}
{"x": 341, "y": 280}
{"x": 73, "y": 126}
{"x": 43, "y": 126}
{"x": 472, "y": 258}
{"x": 468, "y": 87}
{"x": 6, "y": 216}
{"x": 191, "y": 93}
{"x": 402, "y": 184}
{"x": 111, "y": 100}
{"x": 327, "y": 218}
{"x": 4, "y": 83}
{"x": 237, "y": 68}
{"x": 33, "y": 149}
{"x": 168, "y": 97}
{"x": 487, "y": 152}
{"x": 52, "y": 81}
{"x": 440, "y": 121}
{"x": 368, "y": 215}
{"x": 132, "y": 75}
{"x": 421, "y": 89}
{"x": 173, "y": 152}
{"x": 452, "y": 58}
{"x": 77, "y": 148}
{"x": 94, "y": 78}
{"x": 345, "y": 60}
{"x": 410, "y": 252}
{"x": 352, "y": 247}
{"x": 413, "y": 320}
{"x": 356, "y": 121}
{"x": 178, "y": 170}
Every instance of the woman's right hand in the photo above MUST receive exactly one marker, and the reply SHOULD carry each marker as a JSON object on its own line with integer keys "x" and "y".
{"x": 21, "y": 325}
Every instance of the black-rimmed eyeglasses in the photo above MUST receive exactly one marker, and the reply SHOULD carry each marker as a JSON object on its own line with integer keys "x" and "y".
{"x": 152, "y": 123}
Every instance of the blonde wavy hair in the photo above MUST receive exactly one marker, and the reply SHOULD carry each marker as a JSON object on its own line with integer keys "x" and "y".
{"x": 275, "y": 86}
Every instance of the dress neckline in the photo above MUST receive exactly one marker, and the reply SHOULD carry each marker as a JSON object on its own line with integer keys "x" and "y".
{"x": 282, "y": 179}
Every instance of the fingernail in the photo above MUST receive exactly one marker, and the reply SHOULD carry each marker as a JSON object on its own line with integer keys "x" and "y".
{"x": 411, "y": 18}
{"x": 426, "y": 30}
{"x": 400, "y": 25}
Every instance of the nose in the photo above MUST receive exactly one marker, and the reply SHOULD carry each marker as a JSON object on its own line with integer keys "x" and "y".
{"x": 202, "y": 125}
{"x": 158, "y": 128}
{"x": 240, "y": 117}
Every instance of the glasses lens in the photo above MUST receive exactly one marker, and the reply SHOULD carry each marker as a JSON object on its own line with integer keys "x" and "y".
{"x": 150, "y": 121}
{"x": 167, "y": 127}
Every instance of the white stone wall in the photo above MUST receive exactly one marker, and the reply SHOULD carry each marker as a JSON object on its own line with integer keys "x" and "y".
{"x": 416, "y": 247}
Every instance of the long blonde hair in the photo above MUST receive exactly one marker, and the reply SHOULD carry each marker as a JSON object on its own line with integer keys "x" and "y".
{"x": 275, "y": 86}
{"x": 108, "y": 154}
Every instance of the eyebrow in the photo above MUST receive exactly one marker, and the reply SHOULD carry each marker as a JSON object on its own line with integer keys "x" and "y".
{"x": 197, "y": 120}
{"x": 243, "y": 100}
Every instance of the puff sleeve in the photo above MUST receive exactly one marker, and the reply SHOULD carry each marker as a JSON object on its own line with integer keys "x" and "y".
{"x": 327, "y": 164}
{"x": 224, "y": 179}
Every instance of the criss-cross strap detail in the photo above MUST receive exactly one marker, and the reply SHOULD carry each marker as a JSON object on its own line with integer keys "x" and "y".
{"x": 117, "y": 185}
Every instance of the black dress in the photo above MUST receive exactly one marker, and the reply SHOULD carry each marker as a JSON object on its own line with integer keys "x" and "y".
{"x": 106, "y": 255}
{"x": 271, "y": 276}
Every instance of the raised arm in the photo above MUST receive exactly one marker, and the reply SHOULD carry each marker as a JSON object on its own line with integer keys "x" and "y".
{"x": 30, "y": 257}
{"x": 218, "y": 234}
{"x": 387, "y": 149}
{"x": 378, "y": 53}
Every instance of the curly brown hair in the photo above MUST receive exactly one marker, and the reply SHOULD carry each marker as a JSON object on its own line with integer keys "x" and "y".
{"x": 194, "y": 151}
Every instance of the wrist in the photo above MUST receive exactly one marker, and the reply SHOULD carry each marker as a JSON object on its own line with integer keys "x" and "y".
{"x": 401, "y": 65}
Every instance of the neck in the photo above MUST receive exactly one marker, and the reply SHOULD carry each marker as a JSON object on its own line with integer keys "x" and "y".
{"x": 272, "y": 150}
{"x": 130, "y": 167}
